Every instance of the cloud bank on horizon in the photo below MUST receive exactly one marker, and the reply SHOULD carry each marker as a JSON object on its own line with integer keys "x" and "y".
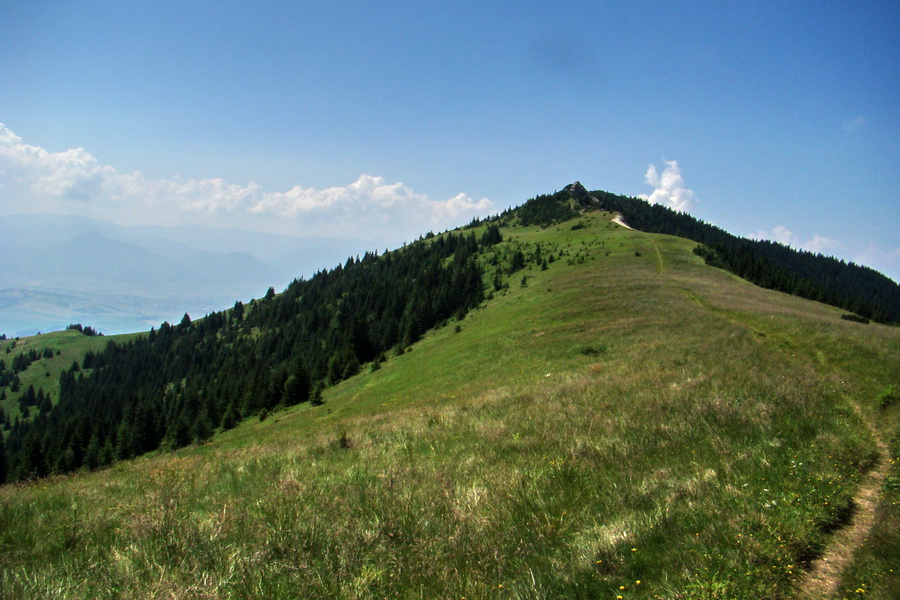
{"x": 817, "y": 244}
{"x": 871, "y": 255}
{"x": 73, "y": 181}
{"x": 33, "y": 179}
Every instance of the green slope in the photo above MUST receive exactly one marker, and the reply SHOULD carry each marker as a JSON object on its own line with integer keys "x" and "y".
{"x": 629, "y": 423}
{"x": 65, "y": 347}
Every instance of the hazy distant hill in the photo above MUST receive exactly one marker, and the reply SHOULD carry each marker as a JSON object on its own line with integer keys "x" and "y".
{"x": 56, "y": 270}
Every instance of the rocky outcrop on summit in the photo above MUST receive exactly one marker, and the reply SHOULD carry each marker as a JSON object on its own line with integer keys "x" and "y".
{"x": 581, "y": 196}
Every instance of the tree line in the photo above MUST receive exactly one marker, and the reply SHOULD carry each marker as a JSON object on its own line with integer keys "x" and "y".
{"x": 181, "y": 383}
{"x": 771, "y": 265}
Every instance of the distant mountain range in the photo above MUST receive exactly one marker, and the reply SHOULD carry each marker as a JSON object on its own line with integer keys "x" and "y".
{"x": 56, "y": 270}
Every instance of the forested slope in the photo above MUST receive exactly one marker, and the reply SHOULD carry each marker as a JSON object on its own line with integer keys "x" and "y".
{"x": 180, "y": 383}
{"x": 768, "y": 264}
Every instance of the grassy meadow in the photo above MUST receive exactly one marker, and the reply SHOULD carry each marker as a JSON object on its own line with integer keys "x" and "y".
{"x": 626, "y": 423}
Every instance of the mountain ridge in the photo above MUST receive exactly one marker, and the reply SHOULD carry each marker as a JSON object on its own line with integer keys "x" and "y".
{"x": 612, "y": 417}
{"x": 861, "y": 290}
{"x": 316, "y": 333}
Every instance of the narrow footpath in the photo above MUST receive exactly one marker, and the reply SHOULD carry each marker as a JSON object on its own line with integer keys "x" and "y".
{"x": 824, "y": 576}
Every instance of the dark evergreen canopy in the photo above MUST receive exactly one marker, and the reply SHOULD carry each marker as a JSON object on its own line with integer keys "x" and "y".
{"x": 178, "y": 384}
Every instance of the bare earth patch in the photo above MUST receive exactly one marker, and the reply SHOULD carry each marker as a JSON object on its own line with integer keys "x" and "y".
{"x": 618, "y": 220}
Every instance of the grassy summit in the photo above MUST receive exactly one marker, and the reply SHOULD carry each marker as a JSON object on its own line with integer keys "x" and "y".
{"x": 626, "y": 422}
{"x": 54, "y": 353}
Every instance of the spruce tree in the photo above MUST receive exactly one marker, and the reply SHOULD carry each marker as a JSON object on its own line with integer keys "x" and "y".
{"x": 34, "y": 463}
{"x": 45, "y": 404}
{"x": 316, "y": 395}
{"x": 230, "y": 417}
{"x": 92, "y": 453}
{"x": 517, "y": 262}
{"x": 296, "y": 387}
{"x": 4, "y": 464}
{"x": 201, "y": 429}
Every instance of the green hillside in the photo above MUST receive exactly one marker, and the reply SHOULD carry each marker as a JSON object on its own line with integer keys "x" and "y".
{"x": 615, "y": 419}
{"x": 53, "y": 354}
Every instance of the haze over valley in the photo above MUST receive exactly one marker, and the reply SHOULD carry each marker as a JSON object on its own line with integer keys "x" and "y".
{"x": 58, "y": 270}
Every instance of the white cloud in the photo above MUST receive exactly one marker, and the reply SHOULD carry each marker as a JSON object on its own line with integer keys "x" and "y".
{"x": 33, "y": 179}
{"x": 873, "y": 256}
{"x": 669, "y": 188}
{"x": 817, "y": 244}
{"x": 885, "y": 261}
{"x": 782, "y": 235}
{"x": 822, "y": 245}
{"x": 854, "y": 123}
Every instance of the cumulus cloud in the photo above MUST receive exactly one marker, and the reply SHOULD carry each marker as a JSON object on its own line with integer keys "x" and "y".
{"x": 817, "y": 244}
{"x": 781, "y": 234}
{"x": 885, "y": 261}
{"x": 873, "y": 256}
{"x": 854, "y": 123}
{"x": 669, "y": 188}
{"x": 33, "y": 179}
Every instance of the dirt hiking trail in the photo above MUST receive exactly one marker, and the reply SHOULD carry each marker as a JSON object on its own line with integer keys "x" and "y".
{"x": 824, "y": 576}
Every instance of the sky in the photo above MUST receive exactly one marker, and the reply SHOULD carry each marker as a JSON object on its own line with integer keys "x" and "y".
{"x": 384, "y": 120}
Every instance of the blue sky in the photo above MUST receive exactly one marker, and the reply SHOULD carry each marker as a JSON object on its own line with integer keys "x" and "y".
{"x": 386, "y": 119}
